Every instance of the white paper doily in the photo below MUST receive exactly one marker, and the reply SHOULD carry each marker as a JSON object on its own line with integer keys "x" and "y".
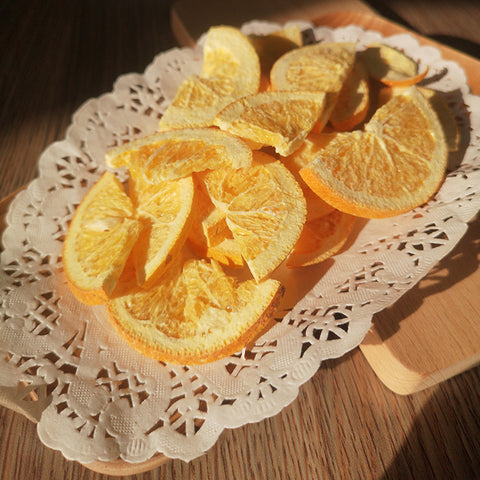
{"x": 95, "y": 398}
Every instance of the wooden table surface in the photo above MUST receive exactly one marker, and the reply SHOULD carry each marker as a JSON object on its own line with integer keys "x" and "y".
{"x": 345, "y": 423}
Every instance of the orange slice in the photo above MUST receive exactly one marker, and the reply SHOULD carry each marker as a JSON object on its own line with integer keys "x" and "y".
{"x": 164, "y": 209}
{"x": 209, "y": 235}
{"x": 278, "y": 119}
{"x": 391, "y": 66}
{"x": 272, "y": 46}
{"x": 445, "y": 116}
{"x": 322, "y": 67}
{"x": 265, "y": 211}
{"x": 396, "y": 164}
{"x": 353, "y": 100}
{"x": 195, "y": 314}
{"x": 178, "y": 153}
{"x": 229, "y": 54}
{"x": 311, "y": 147}
{"x": 196, "y": 103}
{"x": 441, "y": 108}
{"x": 99, "y": 240}
{"x": 230, "y": 70}
{"x": 321, "y": 238}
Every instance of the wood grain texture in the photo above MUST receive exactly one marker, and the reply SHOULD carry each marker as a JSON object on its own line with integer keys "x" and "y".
{"x": 56, "y": 55}
{"x": 432, "y": 332}
{"x": 345, "y": 424}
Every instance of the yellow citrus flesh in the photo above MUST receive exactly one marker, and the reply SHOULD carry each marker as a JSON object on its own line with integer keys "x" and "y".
{"x": 440, "y": 107}
{"x": 353, "y": 100}
{"x": 196, "y": 103}
{"x": 229, "y": 54}
{"x": 265, "y": 211}
{"x": 322, "y": 67}
{"x": 209, "y": 235}
{"x": 272, "y": 46}
{"x": 195, "y": 314}
{"x": 396, "y": 164}
{"x": 164, "y": 209}
{"x": 391, "y": 66}
{"x": 445, "y": 116}
{"x": 178, "y": 153}
{"x": 278, "y": 119}
{"x": 321, "y": 238}
{"x": 311, "y": 147}
{"x": 230, "y": 70}
{"x": 99, "y": 240}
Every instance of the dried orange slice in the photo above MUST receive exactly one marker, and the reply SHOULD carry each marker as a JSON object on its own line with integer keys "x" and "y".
{"x": 445, "y": 116}
{"x": 195, "y": 314}
{"x": 164, "y": 209}
{"x": 270, "y": 47}
{"x": 229, "y": 54}
{"x": 230, "y": 70}
{"x": 439, "y": 105}
{"x": 99, "y": 240}
{"x": 311, "y": 147}
{"x": 178, "y": 153}
{"x": 209, "y": 234}
{"x": 321, "y": 238}
{"x": 278, "y": 119}
{"x": 396, "y": 164}
{"x": 322, "y": 67}
{"x": 265, "y": 211}
{"x": 391, "y": 66}
{"x": 353, "y": 100}
{"x": 196, "y": 103}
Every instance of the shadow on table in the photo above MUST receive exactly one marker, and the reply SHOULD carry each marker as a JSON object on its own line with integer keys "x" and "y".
{"x": 446, "y": 432}
{"x": 74, "y": 58}
{"x": 463, "y": 261}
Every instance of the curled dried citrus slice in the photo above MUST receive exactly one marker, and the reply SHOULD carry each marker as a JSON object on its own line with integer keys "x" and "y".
{"x": 391, "y": 66}
{"x": 313, "y": 144}
{"x": 394, "y": 165}
{"x": 445, "y": 116}
{"x": 278, "y": 119}
{"x": 229, "y": 54}
{"x": 99, "y": 240}
{"x": 164, "y": 209}
{"x": 321, "y": 238}
{"x": 196, "y": 103}
{"x": 178, "y": 153}
{"x": 440, "y": 106}
{"x": 209, "y": 235}
{"x": 195, "y": 314}
{"x": 353, "y": 100}
{"x": 272, "y": 46}
{"x": 230, "y": 70}
{"x": 322, "y": 67}
{"x": 265, "y": 211}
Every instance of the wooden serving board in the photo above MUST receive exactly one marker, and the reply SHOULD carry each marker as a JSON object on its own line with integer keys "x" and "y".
{"x": 443, "y": 309}
{"x": 432, "y": 333}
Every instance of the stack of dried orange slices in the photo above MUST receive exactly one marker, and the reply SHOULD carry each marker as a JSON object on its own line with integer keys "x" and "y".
{"x": 264, "y": 159}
